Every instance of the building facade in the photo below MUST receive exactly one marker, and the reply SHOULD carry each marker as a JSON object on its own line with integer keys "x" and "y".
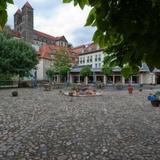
{"x": 46, "y": 58}
{"x": 82, "y": 55}
{"x": 43, "y": 43}
{"x": 92, "y": 55}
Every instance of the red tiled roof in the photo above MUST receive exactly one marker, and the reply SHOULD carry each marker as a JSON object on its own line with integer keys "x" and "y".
{"x": 78, "y": 49}
{"x": 85, "y": 48}
{"x": 27, "y": 5}
{"x": 16, "y": 34}
{"x": 41, "y": 34}
{"x": 81, "y": 46}
{"x": 46, "y": 50}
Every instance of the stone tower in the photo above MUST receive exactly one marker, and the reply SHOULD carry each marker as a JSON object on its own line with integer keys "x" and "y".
{"x": 17, "y": 20}
{"x": 23, "y": 22}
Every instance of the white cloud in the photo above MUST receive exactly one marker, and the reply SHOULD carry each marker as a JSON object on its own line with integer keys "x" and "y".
{"x": 65, "y": 21}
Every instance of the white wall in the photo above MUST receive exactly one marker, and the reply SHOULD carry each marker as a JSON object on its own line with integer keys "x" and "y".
{"x": 46, "y": 64}
{"x": 94, "y": 63}
{"x": 42, "y": 67}
{"x": 40, "y": 70}
{"x": 61, "y": 43}
{"x": 148, "y": 78}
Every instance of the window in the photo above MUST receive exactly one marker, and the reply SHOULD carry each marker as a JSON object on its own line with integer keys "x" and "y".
{"x": 80, "y": 60}
{"x": 99, "y": 58}
{"x": 99, "y": 65}
{"x": 96, "y": 65}
{"x": 95, "y": 57}
{"x": 90, "y": 58}
{"x": 87, "y": 59}
{"x": 83, "y": 59}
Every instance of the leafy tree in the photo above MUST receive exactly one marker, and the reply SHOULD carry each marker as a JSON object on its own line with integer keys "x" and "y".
{"x": 106, "y": 70}
{"x": 16, "y": 57}
{"x": 7, "y": 31}
{"x": 50, "y": 73}
{"x": 127, "y": 29}
{"x": 61, "y": 63}
{"x": 3, "y": 12}
{"x": 108, "y": 65}
{"x": 85, "y": 71}
{"x": 4, "y": 77}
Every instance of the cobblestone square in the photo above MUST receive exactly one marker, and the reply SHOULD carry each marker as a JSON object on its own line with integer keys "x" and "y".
{"x": 39, "y": 125}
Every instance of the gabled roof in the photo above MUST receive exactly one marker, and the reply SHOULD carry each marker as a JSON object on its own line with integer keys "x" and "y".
{"x": 49, "y": 37}
{"x": 18, "y": 11}
{"x": 41, "y": 34}
{"x": 27, "y": 4}
{"x": 61, "y": 38}
{"x": 86, "y": 48}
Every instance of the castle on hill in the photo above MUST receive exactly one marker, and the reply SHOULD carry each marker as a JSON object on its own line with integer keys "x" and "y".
{"x": 24, "y": 26}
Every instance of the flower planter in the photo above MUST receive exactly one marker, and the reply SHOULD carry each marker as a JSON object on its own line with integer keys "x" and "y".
{"x": 130, "y": 89}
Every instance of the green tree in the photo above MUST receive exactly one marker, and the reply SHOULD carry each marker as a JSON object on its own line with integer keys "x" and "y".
{"x": 106, "y": 70}
{"x": 7, "y": 31}
{"x": 108, "y": 64}
{"x": 3, "y": 12}
{"x": 16, "y": 57}
{"x": 50, "y": 72}
{"x": 85, "y": 72}
{"x": 127, "y": 29}
{"x": 61, "y": 63}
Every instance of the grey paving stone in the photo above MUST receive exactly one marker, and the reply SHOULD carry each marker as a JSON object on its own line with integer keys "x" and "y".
{"x": 49, "y": 126}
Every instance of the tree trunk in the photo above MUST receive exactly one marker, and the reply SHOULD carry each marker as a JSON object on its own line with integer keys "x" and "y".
{"x": 86, "y": 80}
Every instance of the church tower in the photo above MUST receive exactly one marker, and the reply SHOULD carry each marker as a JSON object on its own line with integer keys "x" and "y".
{"x": 27, "y": 22}
{"x": 17, "y": 20}
{"x": 23, "y": 22}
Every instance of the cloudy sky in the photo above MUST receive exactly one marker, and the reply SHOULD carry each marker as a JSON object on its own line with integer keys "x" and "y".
{"x": 56, "y": 18}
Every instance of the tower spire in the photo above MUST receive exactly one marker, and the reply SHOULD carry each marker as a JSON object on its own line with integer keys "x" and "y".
{"x": 27, "y": 4}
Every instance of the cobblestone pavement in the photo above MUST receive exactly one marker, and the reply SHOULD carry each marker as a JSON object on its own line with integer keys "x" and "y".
{"x": 40, "y": 125}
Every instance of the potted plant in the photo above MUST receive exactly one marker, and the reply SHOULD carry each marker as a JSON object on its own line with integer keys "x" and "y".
{"x": 130, "y": 89}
